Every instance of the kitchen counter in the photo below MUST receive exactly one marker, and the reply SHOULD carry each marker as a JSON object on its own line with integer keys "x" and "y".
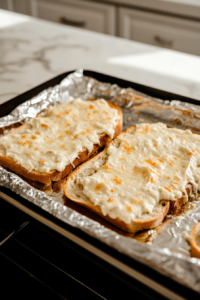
{"x": 33, "y": 51}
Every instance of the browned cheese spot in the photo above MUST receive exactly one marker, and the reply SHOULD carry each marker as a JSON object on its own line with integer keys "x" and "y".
{"x": 98, "y": 187}
{"x": 76, "y": 135}
{"x": 129, "y": 208}
{"x": 176, "y": 181}
{"x": 150, "y": 162}
{"x": 44, "y": 125}
{"x": 145, "y": 129}
{"x": 59, "y": 115}
{"x": 67, "y": 112}
{"x": 111, "y": 200}
{"x": 117, "y": 180}
{"x": 127, "y": 148}
{"x": 168, "y": 188}
{"x": 192, "y": 153}
{"x": 137, "y": 202}
{"x": 107, "y": 168}
{"x": 153, "y": 179}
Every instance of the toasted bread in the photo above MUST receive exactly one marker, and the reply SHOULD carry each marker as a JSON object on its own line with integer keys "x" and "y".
{"x": 195, "y": 241}
{"x": 73, "y": 190}
{"x": 55, "y": 175}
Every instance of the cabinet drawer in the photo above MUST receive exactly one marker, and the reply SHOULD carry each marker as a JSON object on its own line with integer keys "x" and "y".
{"x": 163, "y": 31}
{"x": 83, "y": 14}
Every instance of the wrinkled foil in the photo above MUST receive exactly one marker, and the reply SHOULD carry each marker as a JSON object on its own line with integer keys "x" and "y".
{"x": 167, "y": 252}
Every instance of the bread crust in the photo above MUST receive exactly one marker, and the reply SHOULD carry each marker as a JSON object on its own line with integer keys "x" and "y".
{"x": 133, "y": 227}
{"x": 55, "y": 175}
{"x": 195, "y": 249}
{"x": 156, "y": 220}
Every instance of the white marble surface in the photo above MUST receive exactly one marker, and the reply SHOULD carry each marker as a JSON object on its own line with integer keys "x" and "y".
{"x": 33, "y": 51}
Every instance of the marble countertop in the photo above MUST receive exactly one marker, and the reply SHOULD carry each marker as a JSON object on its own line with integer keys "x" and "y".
{"x": 33, "y": 51}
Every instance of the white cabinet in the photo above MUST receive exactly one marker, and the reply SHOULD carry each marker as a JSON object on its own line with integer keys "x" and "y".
{"x": 98, "y": 15}
{"x": 6, "y": 4}
{"x": 83, "y": 14}
{"x": 23, "y": 6}
{"x": 164, "y": 31}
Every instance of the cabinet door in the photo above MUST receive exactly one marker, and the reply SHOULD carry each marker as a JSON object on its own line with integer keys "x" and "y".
{"x": 7, "y": 4}
{"x": 163, "y": 31}
{"x": 83, "y": 14}
{"x": 23, "y": 6}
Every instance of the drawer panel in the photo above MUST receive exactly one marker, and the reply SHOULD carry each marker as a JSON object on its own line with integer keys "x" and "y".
{"x": 163, "y": 31}
{"x": 83, "y": 14}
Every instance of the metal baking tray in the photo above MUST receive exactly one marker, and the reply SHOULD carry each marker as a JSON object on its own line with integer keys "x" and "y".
{"x": 142, "y": 273}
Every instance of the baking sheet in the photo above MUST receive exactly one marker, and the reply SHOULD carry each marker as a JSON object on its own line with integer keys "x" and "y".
{"x": 165, "y": 248}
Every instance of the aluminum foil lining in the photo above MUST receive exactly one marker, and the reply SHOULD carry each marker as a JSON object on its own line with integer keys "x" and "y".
{"x": 167, "y": 252}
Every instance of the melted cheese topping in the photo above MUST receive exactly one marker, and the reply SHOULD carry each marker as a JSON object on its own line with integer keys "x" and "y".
{"x": 54, "y": 141}
{"x": 151, "y": 164}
